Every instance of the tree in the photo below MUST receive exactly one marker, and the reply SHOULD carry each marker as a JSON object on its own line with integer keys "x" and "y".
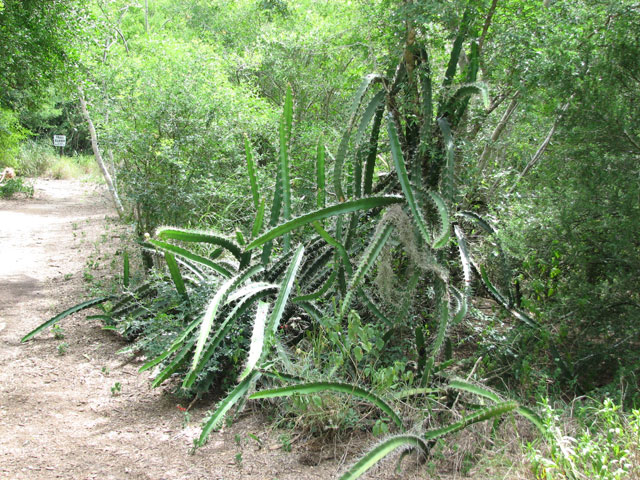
{"x": 39, "y": 40}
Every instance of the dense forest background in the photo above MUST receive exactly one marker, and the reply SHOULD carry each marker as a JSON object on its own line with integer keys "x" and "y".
{"x": 511, "y": 129}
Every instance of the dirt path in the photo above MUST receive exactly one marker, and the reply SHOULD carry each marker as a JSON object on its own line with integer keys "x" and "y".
{"x": 58, "y": 415}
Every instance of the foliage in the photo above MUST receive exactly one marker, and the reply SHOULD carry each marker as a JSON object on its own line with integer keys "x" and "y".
{"x": 176, "y": 125}
{"x": 603, "y": 447}
{"x": 352, "y": 236}
{"x": 34, "y": 158}
{"x": 568, "y": 226}
{"x": 78, "y": 167}
{"x": 365, "y": 261}
{"x": 11, "y": 134}
{"x": 39, "y": 40}
{"x": 15, "y": 185}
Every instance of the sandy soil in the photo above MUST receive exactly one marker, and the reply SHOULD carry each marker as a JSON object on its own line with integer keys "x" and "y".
{"x": 58, "y": 416}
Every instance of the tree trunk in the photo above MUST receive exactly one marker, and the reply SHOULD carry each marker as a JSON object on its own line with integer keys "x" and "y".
{"x": 98, "y": 156}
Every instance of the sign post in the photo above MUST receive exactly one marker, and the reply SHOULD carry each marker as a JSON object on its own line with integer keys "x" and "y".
{"x": 60, "y": 141}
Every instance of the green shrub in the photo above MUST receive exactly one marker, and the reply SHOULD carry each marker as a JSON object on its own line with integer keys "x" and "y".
{"x": 11, "y": 134}
{"x": 34, "y": 158}
{"x": 604, "y": 445}
{"x": 15, "y": 185}
{"x": 578, "y": 261}
{"x": 67, "y": 168}
{"x": 177, "y": 127}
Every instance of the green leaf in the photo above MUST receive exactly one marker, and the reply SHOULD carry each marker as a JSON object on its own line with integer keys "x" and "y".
{"x": 532, "y": 417}
{"x": 223, "y": 330}
{"x": 368, "y": 260}
{"x": 448, "y": 179}
{"x": 367, "y": 81}
{"x": 125, "y": 272}
{"x": 320, "y": 176}
{"x": 334, "y": 210}
{"x": 174, "y": 270}
{"x": 183, "y": 252}
{"x": 250, "y": 290}
{"x": 317, "y": 263}
{"x": 285, "y": 132}
{"x": 461, "y": 310}
{"x": 357, "y": 178}
{"x": 207, "y": 320}
{"x": 461, "y": 96}
{"x": 251, "y": 167}
{"x": 131, "y": 296}
{"x": 481, "y": 222}
{"x": 230, "y": 400}
{"x": 412, "y": 392}
{"x": 403, "y": 177}
{"x": 370, "y": 163}
{"x": 474, "y": 62}
{"x": 457, "y": 47}
{"x": 442, "y": 328}
{"x": 426, "y": 372}
{"x": 283, "y": 294}
{"x": 282, "y": 377}
{"x": 420, "y": 349}
{"x": 321, "y": 291}
{"x": 427, "y": 96}
{"x": 337, "y": 166}
{"x": 497, "y": 296}
{"x": 382, "y": 450}
{"x": 288, "y": 112}
{"x": 173, "y": 365}
{"x": 257, "y": 223}
{"x": 374, "y": 105}
{"x": 317, "y": 387}
{"x": 170, "y": 233}
{"x": 257, "y": 339}
{"x": 342, "y": 251}
{"x": 240, "y": 238}
{"x": 66, "y": 313}
{"x": 466, "y": 386}
{"x": 479, "y": 416}
{"x": 275, "y": 215}
{"x": 312, "y": 310}
{"x": 373, "y": 308}
{"x": 344, "y": 143}
{"x": 175, "y": 345}
{"x": 441, "y": 238}
{"x": 465, "y": 258}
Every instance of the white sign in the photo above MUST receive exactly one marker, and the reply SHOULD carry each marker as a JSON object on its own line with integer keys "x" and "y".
{"x": 59, "y": 140}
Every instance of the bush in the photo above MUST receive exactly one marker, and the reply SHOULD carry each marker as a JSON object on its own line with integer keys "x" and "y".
{"x": 34, "y": 158}
{"x": 11, "y": 134}
{"x": 67, "y": 168}
{"x": 578, "y": 262}
{"x": 15, "y": 185}
{"x": 603, "y": 445}
{"x": 178, "y": 127}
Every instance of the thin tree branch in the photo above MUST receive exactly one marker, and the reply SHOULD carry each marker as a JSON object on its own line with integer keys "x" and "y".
{"x": 633, "y": 141}
{"x": 487, "y": 24}
{"x": 543, "y": 146}
{"x": 483, "y": 35}
{"x": 498, "y": 131}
